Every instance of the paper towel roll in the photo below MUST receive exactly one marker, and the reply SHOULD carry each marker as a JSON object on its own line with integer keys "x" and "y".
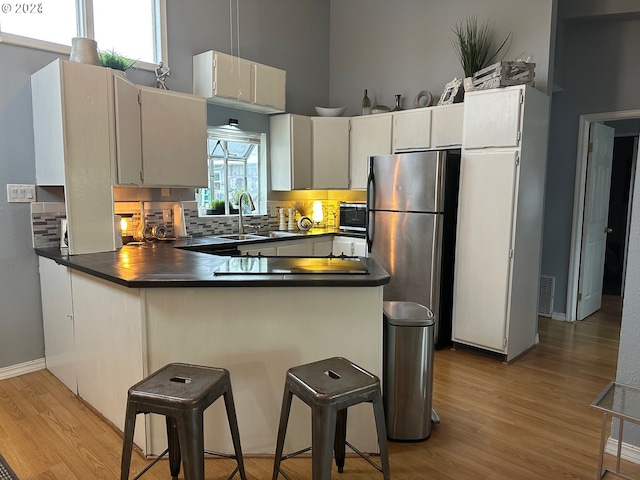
{"x": 179, "y": 225}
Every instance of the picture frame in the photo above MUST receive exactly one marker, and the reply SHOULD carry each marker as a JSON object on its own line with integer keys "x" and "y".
{"x": 452, "y": 92}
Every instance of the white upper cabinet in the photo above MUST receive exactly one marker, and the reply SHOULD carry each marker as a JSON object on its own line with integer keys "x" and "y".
{"x": 269, "y": 85}
{"x": 290, "y": 152}
{"x": 129, "y": 140}
{"x": 73, "y": 139}
{"x": 330, "y": 152}
{"x": 370, "y": 135}
{"x": 174, "y": 138}
{"x": 446, "y": 125}
{"x": 238, "y": 83}
{"x": 161, "y": 137}
{"x": 495, "y": 121}
{"x": 412, "y": 130}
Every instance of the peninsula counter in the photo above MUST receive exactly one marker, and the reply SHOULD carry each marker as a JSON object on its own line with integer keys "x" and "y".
{"x": 136, "y": 309}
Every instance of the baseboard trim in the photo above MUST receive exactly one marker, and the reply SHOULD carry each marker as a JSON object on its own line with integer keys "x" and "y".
{"x": 559, "y": 316}
{"x": 22, "y": 368}
{"x": 627, "y": 452}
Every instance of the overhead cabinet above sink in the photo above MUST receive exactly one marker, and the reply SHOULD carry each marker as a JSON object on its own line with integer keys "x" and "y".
{"x": 238, "y": 83}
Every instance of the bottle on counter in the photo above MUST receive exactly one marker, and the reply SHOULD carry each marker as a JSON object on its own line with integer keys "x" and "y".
{"x": 283, "y": 221}
{"x": 366, "y": 104}
{"x": 292, "y": 219}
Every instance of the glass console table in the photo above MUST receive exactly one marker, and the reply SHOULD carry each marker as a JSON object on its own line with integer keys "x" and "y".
{"x": 622, "y": 402}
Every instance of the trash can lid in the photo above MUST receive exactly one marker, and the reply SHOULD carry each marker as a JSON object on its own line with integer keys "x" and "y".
{"x": 407, "y": 314}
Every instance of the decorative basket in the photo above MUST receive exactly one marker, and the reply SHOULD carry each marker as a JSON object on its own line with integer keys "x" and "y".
{"x": 504, "y": 74}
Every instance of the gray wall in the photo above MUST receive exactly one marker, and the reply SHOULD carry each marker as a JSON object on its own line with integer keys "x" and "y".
{"x": 597, "y": 72}
{"x": 404, "y": 46}
{"x": 289, "y": 34}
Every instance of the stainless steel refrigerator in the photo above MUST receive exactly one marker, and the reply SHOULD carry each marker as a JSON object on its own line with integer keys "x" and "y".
{"x": 411, "y": 226}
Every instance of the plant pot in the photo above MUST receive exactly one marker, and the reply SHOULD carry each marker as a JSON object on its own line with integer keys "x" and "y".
{"x": 84, "y": 50}
{"x": 468, "y": 84}
{"x": 215, "y": 211}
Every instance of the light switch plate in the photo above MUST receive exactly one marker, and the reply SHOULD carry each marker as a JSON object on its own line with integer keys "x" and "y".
{"x": 18, "y": 193}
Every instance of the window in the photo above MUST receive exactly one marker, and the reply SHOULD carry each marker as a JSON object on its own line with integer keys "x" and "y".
{"x": 235, "y": 166}
{"x": 135, "y": 29}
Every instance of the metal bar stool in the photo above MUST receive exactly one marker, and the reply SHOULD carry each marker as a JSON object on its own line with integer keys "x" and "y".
{"x": 181, "y": 392}
{"x": 329, "y": 387}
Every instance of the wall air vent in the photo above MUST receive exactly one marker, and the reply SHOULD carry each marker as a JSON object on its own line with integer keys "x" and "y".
{"x": 545, "y": 295}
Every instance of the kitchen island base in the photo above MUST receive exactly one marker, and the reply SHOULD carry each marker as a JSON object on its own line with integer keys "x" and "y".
{"x": 257, "y": 333}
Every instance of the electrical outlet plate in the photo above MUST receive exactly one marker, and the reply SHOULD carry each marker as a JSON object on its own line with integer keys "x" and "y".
{"x": 19, "y": 193}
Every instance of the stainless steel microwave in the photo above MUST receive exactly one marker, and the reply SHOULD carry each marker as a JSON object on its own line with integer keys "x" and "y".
{"x": 353, "y": 216}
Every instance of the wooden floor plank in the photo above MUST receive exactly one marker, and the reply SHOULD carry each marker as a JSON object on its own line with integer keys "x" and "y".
{"x": 525, "y": 421}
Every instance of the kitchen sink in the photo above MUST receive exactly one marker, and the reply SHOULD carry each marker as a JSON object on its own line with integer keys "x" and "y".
{"x": 241, "y": 236}
{"x": 276, "y": 234}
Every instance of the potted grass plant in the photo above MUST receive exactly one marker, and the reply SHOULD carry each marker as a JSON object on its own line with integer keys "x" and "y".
{"x": 473, "y": 44}
{"x": 112, "y": 59}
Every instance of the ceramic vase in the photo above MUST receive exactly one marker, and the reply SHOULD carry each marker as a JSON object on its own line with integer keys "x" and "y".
{"x": 84, "y": 50}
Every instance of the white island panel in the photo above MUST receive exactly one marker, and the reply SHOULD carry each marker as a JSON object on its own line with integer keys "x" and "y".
{"x": 257, "y": 334}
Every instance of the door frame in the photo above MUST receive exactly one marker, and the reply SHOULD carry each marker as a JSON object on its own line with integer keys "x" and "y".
{"x": 585, "y": 122}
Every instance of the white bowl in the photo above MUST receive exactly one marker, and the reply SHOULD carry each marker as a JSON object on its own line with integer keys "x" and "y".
{"x": 330, "y": 112}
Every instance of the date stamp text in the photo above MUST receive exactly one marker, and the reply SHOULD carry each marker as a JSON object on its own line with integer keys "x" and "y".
{"x": 21, "y": 8}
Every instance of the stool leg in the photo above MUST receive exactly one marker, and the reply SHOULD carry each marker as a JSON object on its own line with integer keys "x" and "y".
{"x": 191, "y": 444}
{"x": 282, "y": 431}
{"x": 339, "y": 445}
{"x": 235, "y": 433}
{"x": 323, "y": 434}
{"x": 127, "y": 441}
{"x": 174, "y": 447}
{"x": 378, "y": 412}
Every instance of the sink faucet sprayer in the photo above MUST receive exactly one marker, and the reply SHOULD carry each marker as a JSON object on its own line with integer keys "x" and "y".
{"x": 252, "y": 207}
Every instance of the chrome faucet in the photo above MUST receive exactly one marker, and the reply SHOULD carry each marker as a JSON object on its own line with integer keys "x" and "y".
{"x": 252, "y": 207}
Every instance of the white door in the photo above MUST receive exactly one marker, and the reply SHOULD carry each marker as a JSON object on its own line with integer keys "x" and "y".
{"x": 596, "y": 214}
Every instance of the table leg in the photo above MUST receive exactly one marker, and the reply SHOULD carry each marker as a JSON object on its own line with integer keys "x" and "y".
{"x": 602, "y": 440}
{"x": 619, "y": 446}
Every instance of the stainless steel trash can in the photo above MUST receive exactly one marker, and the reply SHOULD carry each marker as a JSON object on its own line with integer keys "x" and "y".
{"x": 408, "y": 370}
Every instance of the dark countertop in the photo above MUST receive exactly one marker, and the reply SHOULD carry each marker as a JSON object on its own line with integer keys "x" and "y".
{"x": 170, "y": 264}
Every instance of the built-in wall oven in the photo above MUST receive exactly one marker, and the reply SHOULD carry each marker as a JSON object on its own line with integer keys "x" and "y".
{"x": 353, "y": 216}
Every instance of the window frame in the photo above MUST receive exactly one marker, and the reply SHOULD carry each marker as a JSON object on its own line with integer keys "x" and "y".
{"x": 84, "y": 25}
{"x": 240, "y": 135}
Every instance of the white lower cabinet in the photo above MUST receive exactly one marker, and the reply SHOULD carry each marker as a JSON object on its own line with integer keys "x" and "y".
{"x": 349, "y": 246}
{"x": 57, "y": 319}
{"x": 303, "y": 247}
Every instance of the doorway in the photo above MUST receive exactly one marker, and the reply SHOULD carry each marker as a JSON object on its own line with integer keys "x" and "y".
{"x": 620, "y": 121}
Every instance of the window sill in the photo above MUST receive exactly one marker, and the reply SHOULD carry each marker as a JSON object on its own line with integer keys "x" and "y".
{"x": 45, "y": 46}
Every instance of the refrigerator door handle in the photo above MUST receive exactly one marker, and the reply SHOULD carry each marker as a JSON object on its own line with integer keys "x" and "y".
{"x": 371, "y": 201}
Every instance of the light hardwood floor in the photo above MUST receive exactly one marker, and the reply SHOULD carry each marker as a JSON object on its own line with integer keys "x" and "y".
{"x": 527, "y": 420}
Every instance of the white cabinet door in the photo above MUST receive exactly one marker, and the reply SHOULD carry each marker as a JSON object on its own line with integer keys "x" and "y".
{"x": 492, "y": 118}
{"x": 412, "y": 130}
{"x": 220, "y": 75}
{"x": 330, "y": 152}
{"x": 174, "y": 139}
{"x": 360, "y": 247}
{"x": 488, "y": 183}
{"x": 57, "y": 319}
{"x": 269, "y": 85}
{"x": 349, "y": 246}
{"x": 292, "y": 250}
{"x": 370, "y": 135}
{"x": 446, "y": 125}
{"x": 290, "y": 152}
{"x": 128, "y": 136}
{"x": 320, "y": 248}
{"x": 266, "y": 249}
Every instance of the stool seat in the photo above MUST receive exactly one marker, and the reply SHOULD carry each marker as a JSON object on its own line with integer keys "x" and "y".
{"x": 329, "y": 387}
{"x": 181, "y": 392}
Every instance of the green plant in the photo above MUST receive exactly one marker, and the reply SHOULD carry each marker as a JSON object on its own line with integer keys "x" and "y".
{"x": 112, "y": 59}
{"x": 473, "y": 43}
{"x": 216, "y": 204}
